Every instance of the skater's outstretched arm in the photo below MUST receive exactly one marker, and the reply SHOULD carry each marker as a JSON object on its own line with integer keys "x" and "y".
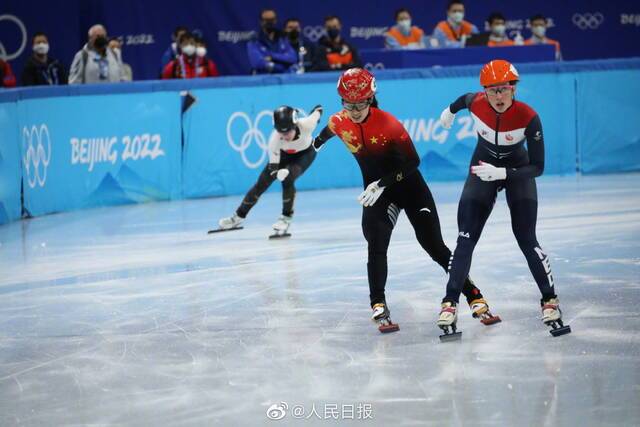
{"x": 324, "y": 135}
{"x": 449, "y": 113}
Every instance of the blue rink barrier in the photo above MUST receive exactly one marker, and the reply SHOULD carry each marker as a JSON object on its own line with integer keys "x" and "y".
{"x": 71, "y": 147}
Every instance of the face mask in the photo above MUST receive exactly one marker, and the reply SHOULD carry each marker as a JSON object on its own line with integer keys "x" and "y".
{"x": 189, "y": 49}
{"x": 201, "y": 51}
{"x": 41, "y": 48}
{"x": 333, "y": 33}
{"x": 539, "y": 30}
{"x": 294, "y": 35}
{"x": 457, "y": 17}
{"x": 405, "y": 25}
{"x": 269, "y": 26}
{"x": 499, "y": 30}
{"x": 100, "y": 42}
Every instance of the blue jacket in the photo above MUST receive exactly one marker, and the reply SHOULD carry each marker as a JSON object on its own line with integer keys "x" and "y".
{"x": 279, "y": 50}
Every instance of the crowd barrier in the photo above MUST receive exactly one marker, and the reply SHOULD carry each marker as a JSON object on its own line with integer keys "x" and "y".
{"x": 67, "y": 148}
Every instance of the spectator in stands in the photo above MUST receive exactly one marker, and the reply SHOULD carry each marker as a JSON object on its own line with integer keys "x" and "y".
{"x": 498, "y": 31}
{"x": 41, "y": 69}
{"x": 403, "y": 35}
{"x": 305, "y": 50}
{"x": 95, "y": 62}
{"x": 539, "y": 34}
{"x": 337, "y": 53}
{"x": 7, "y": 79}
{"x": 173, "y": 50}
{"x": 455, "y": 30}
{"x": 187, "y": 65}
{"x": 115, "y": 44}
{"x": 206, "y": 64}
{"x": 269, "y": 51}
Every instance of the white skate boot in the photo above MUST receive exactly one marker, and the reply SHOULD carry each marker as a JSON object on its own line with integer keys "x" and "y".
{"x": 480, "y": 310}
{"x": 381, "y": 317}
{"x": 552, "y": 316}
{"x": 281, "y": 227}
{"x": 233, "y": 222}
{"x": 447, "y": 322}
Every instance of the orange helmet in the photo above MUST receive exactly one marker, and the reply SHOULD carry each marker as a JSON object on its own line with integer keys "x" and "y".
{"x": 498, "y": 72}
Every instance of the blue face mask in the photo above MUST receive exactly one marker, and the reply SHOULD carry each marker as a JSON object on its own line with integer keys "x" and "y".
{"x": 333, "y": 33}
{"x": 404, "y": 25}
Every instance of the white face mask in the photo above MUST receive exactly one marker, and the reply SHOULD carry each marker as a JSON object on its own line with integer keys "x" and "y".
{"x": 405, "y": 25}
{"x": 539, "y": 30}
{"x": 41, "y": 48}
{"x": 201, "y": 51}
{"x": 457, "y": 17}
{"x": 189, "y": 50}
{"x": 499, "y": 30}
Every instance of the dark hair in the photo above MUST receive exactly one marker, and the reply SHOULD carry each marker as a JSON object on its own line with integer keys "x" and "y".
{"x": 538, "y": 17}
{"x": 201, "y": 40}
{"x": 291, "y": 20}
{"x": 374, "y": 102}
{"x": 495, "y": 16}
{"x": 38, "y": 34}
{"x": 330, "y": 18}
{"x": 267, "y": 10}
{"x": 452, "y": 2}
{"x": 399, "y": 11}
{"x": 186, "y": 36}
{"x": 179, "y": 29}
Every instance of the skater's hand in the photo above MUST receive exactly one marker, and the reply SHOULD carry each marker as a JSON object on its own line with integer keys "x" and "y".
{"x": 371, "y": 194}
{"x": 316, "y": 108}
{"x": 488, "y": 172}
{"x": 446, "y": 118}
{"x": 282, "y": 174}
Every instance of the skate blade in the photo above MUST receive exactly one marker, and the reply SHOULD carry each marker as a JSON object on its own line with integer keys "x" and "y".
{"x": 562, "y": 330}
{"x": 491, "y": 320}
{"x": 453, "y": 336}
{"x": 392, "y": 327}
{"x": 279, "y": 236}
{"x": 220, "y": 230}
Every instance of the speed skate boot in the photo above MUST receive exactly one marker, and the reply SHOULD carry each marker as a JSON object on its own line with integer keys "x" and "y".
{"x": 233, "y": 222}
{"x": 552, "y": 316}
{"x": 447, "y": 322}
{"x": 480, "y": 310}
{"x": 381, "y": 317}
{"x": 281, "y": 227}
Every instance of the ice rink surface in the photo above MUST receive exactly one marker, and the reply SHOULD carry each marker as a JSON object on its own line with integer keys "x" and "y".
{"x": 133, "y": 315}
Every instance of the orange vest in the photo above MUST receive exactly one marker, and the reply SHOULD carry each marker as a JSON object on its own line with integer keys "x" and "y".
{"x": 546, "y": 41}
{"x": 415, "y": 36}
{"x": 506, "y": 42}
{"x": 463, "y": 30}
{"x": 336, "y": 58}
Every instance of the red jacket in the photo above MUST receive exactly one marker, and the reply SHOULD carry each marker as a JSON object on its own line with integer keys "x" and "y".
{"x": 7, "y": 79}
{"x": 184, "y": 68}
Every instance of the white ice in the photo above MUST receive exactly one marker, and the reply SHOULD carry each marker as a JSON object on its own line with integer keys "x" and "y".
{"x": 133, "y": 315}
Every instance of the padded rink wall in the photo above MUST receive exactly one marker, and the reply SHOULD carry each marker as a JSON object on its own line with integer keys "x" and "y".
{"x": 67, "y": 148}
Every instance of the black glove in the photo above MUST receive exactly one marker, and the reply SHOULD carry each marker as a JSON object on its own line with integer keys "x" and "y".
{"x": 272, "y": 168}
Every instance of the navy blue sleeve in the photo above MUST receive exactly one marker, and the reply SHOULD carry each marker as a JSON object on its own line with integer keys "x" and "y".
{"x": 461, "y": 103}
{"x": 535, "y": 145}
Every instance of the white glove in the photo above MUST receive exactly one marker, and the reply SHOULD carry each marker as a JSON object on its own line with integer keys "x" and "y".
{"x": 282, "y": 174}
{"x": 488, "y": 172}
{"x": 446, "y": 118}
{"x": 371, "y": 194}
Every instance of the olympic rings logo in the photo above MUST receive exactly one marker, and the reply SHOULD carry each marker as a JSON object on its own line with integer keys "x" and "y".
{"x": 371, "y": 66}
{"x": 23, "y": 32}
{"x": 313, "y": 33}
{"x": 251, "y": 134}
{"x": 36, "y": 149}
{"x": 587, "y": 21}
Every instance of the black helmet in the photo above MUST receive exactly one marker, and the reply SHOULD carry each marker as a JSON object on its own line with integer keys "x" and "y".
{"x": 285, "y": 118}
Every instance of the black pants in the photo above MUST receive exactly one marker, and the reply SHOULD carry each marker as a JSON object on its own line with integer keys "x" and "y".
{"x": 412, "y": 195}
{"x": 297, "y": 164}
{"x": 476, "y": 203}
